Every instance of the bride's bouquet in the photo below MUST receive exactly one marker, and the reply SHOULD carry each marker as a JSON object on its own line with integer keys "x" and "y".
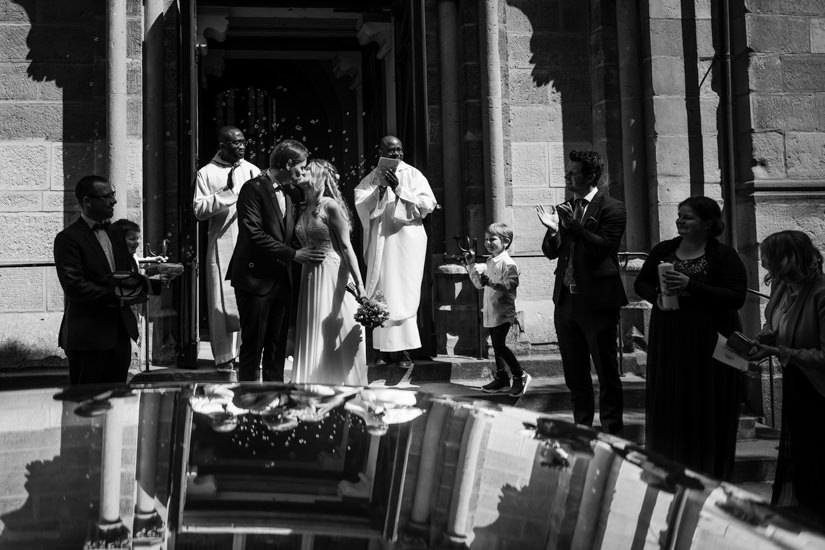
{"x": 372, "y": 312}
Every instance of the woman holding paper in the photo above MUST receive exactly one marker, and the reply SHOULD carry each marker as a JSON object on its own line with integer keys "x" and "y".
{"x": 693, "y": 400}
{"x": 795, "y": 333}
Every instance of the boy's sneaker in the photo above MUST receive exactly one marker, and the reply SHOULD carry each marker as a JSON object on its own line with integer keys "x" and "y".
{"x": 520, "y": 385}
{"x": 497, "y": 385}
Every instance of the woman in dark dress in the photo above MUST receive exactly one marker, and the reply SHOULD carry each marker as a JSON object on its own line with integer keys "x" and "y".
{"x": 692, "y": 400}
{"x": 795, "y": 333}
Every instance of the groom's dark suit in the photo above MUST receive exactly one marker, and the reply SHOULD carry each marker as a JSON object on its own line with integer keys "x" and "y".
{"x": 261, "y": 274}
{"x": 96, "y": 328}
{"x": 586, "y": 320}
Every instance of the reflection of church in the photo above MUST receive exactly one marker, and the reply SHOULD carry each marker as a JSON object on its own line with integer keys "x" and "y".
{"x": 165, "y": 468}
{"x": 488, "y": 96}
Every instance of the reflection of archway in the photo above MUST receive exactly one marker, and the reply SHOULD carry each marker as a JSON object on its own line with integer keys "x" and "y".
{"x": 332, "y": 64}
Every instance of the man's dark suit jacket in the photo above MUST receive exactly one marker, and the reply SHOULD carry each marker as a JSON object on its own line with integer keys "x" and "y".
{"x": 262, "y": 260}
{"x": 596, "y": 254}
{"x": 91, "y": 310}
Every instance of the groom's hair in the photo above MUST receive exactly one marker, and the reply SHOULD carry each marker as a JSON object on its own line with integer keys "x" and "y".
{"x": 285, "y": 151}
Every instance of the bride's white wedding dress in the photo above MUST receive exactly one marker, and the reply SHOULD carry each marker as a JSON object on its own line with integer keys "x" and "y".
{"x": 330, "y": 346}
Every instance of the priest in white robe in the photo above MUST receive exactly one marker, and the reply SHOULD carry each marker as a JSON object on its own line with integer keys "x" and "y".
{"x": 216, "y": 192}
{"x": 392, "y": 205}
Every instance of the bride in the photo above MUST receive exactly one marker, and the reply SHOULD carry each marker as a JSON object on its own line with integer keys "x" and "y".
{"x": 330, "y": 346}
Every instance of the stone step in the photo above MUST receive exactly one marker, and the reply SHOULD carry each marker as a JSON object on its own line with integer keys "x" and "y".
{"x": 763, "y": 489}
{"x": 31, "y": 377}
{"x": 755, "y": 461}
{"x": 538, "y": 365}
{"x": 550, "y": 394}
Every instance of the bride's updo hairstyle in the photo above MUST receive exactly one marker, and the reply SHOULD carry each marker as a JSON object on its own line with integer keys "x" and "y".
{"x": 323, "y": 179}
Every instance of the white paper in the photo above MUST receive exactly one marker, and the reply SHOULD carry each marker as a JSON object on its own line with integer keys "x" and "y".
{"x": 724, "y": 354}
{"x": 388, "y": 163}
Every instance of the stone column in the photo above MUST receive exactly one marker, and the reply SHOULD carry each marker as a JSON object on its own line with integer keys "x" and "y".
{"x": 148, "y": 525}
{"x": 110, "y": 531}
{"x": 448, "y": 33}
{"x": 492, "y": 124}
{"x": 425, "y": 479}
{"x": 590, "y": 509}
{"x": 458, "y": 527}
{"x": 153, "y": 68}
{"x": 116, "y": 129}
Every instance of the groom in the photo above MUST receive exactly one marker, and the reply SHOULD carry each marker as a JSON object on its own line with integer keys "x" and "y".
{"x": 261, "y": 265}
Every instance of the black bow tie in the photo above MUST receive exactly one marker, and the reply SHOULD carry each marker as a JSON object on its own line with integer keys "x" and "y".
{"x": 279, "y": 189}
{"x": 101, "y": 226}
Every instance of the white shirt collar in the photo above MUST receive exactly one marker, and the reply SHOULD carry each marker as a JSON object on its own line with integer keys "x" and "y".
{"x": 589, "y": 197}
{"x": 89, "y": 221}
{"x": 501, "y": 257}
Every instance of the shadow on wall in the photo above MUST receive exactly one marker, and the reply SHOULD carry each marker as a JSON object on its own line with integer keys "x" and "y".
{"x": 60, "y": 494}
{"x": 66, "y": 46}
{"x": 522, "y": 513}
{"x": 14, "y": 355}
{"x": 559, "y": 57}
{"x": 52, "y": 116}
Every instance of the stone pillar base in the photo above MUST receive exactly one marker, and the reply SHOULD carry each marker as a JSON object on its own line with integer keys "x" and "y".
{"x": 108, "y": 535}
{"x": 148, "y": 528}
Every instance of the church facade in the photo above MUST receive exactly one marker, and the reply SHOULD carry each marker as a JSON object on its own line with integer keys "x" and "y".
{"x": 721, "y": 98}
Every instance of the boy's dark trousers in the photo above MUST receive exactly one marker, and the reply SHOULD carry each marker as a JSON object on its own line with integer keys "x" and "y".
{"x": 504, "y": 356}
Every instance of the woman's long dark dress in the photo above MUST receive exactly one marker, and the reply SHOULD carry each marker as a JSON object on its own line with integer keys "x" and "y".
{"x": 693, "y": 401}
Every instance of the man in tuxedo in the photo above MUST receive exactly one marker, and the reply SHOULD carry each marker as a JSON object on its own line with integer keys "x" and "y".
{"x": 261, "y": 265}
{"x": 97, "y": 322}
{"x": 584, "y": 234}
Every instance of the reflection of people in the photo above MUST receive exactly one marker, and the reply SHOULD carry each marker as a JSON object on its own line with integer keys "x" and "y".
{"x": 380, "y": 407}
{"x": 391, "y": 206}
{"x": 795, "y": 333}
{"x": 216, "y": 192}
{"x": 97, "y": 325}
{"x": 499, "y": 279}
{"x": 584, "y": 234}
{"x": 692, "y": 400}
{"x": 330, "y": 346}
{"x": 261, "y": 265}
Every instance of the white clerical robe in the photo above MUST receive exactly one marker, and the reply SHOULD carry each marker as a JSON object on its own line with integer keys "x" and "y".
{"x": 215, "y": 202}
{"x": 395, "y": 247}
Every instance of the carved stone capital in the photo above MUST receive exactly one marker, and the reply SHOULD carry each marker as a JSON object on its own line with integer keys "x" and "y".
{"x": 379, "y": 32}
{"x": 211, "y": 25}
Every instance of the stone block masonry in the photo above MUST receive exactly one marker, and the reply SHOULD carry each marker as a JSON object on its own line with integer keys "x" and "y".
{"x": 52, "y": 132}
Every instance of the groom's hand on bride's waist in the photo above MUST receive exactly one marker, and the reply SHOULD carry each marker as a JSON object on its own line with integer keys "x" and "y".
{"x": 309, "y": 256}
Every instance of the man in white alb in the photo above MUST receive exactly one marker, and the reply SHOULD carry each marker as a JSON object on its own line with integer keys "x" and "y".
{"x": 216, "y": 192}
{"x": 392, "y": 205}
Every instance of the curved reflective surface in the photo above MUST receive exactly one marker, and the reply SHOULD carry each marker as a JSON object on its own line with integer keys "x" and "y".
{"x": 284, "y": 466}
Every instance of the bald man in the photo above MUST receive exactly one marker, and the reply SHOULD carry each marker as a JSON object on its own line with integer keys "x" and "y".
{"x": 218, "y": 185}
{"x": 392, "y": 205}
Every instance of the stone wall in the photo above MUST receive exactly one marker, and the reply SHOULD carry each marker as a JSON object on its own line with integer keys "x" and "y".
{"x": 51, "y": 460}
{"x": 548, "y": 111}
{"x": 52, "y": 108}
{"x": 781, "y": 123}
{"x": 682, "y": 105}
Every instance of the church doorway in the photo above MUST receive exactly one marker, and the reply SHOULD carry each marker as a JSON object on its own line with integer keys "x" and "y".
{"x": 324, "y": 76}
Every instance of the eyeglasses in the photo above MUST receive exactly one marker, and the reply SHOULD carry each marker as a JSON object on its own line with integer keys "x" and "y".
{"x": 106, "y": 197}
{"x": 237, "y": 142}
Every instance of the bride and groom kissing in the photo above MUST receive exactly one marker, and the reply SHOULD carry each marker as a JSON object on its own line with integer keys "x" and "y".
{"x": 330, "y": 346}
